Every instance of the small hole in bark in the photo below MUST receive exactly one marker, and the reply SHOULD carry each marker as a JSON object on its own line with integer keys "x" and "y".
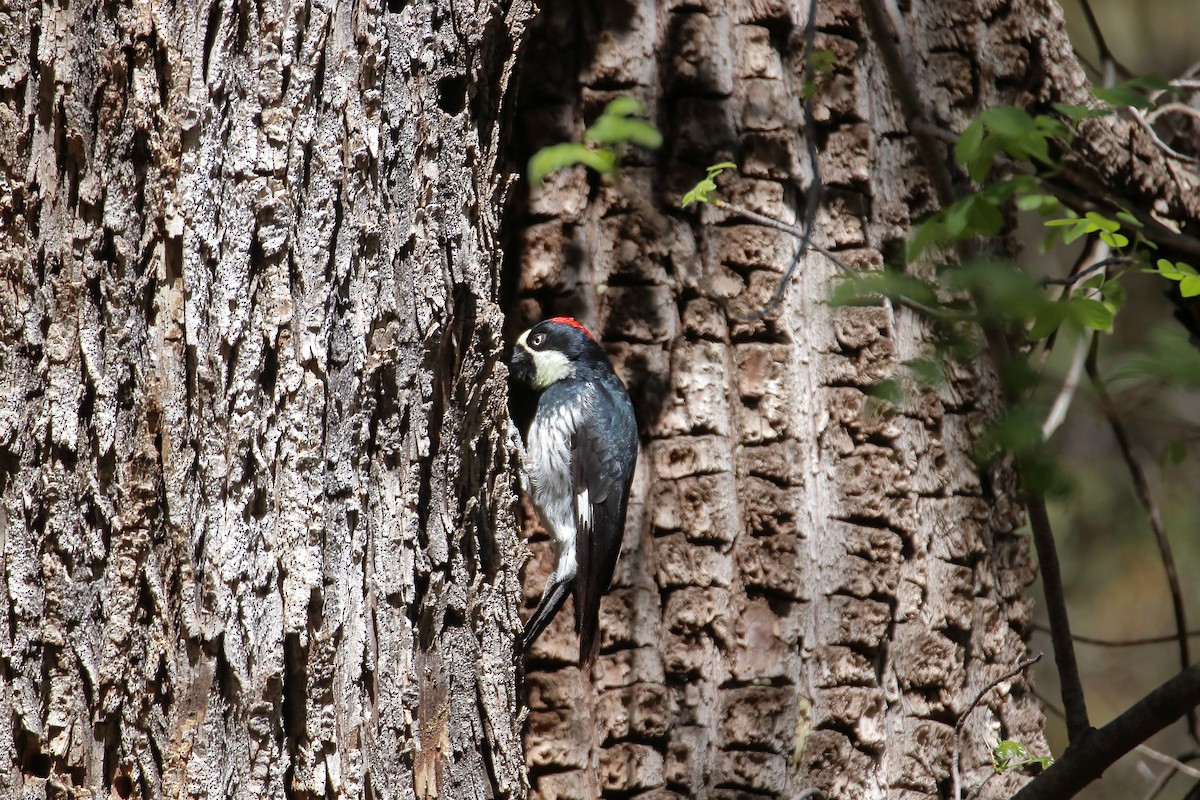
{"x": 122, "y": 785}
{"x": 452, "y": 94}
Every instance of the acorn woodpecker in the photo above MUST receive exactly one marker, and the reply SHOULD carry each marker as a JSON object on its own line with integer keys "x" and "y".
{"x": 579, "y": 459}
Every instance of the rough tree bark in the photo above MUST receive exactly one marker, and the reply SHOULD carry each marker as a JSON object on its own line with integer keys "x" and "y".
{"x": 257, "y": 513}
{"x": 813, "y": 588}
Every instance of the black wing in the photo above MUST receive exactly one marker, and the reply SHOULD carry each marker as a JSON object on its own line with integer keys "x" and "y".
{"x": 602, "y": 468}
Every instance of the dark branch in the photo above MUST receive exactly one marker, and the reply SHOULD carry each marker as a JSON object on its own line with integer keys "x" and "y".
{"x": 1078, "y": 726}
{"x": 1106, "y": 55}
{"x": 1086, "y": 761}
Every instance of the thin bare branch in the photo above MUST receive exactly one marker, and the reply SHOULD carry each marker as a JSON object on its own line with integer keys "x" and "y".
{"x": 1163, "y": 779}
{"x": 1062, "y": 401}
{"x": 1172, "y": 108}
{"x": 1166, "y": 149}
{"x": 1146, "y": 497}
{"x": 1174, "y": 763}
{"x": 1076, "y": 277}
{"x": 1171, "y": 638}
{"x": 955, "y": 757}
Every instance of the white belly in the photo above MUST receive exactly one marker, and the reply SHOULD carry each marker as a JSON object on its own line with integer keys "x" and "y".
{"x": 551, "y": 485}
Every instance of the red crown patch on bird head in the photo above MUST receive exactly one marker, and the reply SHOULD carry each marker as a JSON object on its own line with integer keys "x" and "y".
{"x": 574, "y": 323}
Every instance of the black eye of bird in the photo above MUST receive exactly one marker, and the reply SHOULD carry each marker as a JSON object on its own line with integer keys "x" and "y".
{"x": 538, "y": 339}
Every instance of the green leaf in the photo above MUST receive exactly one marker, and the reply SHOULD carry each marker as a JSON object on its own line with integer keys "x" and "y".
{"x": 568, "y": 154}
{"x": 1114, "y": 240}
{"x": 699, "y": 193}
{"x": 1009, "y": 750}
{"x": 1122, "y": 95}
{"x": 1190, "y": 286}
{"x": 888, "y": 390}
{"x": 929, "y": 232}
{"x": 1009, "y": 122}
{"x": 1169, "y": 271}
{"x": 928, "y": 370}
{"x": 986, "y": 219}
{"x": 1091, "y": 313}
{"x": 1037, "y": 202}
{"x": 1151, "y": 81}
{"x": 1169, "y": 358}
{"x": 822, "y": 60}
{"x": 958, "y": 216}
{"x": 619, "y": 130}
{"x": 1008, "y": 755}
{"x": 967, "y": 146}
{"x": 979, "y": 166}
{"x": 1099, "y": 222}
{"x": 1129, "y": 219}
{"x": 1113, "y": 293}
{"x": 1080, "y": 113}
{"x": 1071, "y": 234}
{"x": 1174, "y": 453}
{"x": 1046, "y": 320}
{"x": 623, "y": 106}
{"x": 702, "y": 191}
{"x": 867, "y": 288}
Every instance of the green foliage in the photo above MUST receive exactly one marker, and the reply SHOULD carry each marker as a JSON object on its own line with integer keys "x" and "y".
{"x": 568, "y": 154}
{"x": 617, "y": 125}
{"x": 1169, "y": 357}
{"x": 1008, "y": 754}
{"x": 603, "y": 142}
{"x": 702, "y": 192}
{"x": 1126, "y": 93}
{"x": 1075, "y": 226}
{"x": 820, "y": 62}
{"x": 1174, "y": 453}
{"x": 1013, "y": 131}
{"x": 1185, "y": 274}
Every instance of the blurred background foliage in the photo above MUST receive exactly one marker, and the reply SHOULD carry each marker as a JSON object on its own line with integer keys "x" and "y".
{"x": 1115, "y": 581}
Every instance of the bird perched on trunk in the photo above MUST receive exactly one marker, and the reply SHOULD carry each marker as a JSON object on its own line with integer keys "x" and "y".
{"x": 579, "y": 459}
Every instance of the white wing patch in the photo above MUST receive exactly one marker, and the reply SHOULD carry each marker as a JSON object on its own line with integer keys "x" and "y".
{"x": 583, "y": 508}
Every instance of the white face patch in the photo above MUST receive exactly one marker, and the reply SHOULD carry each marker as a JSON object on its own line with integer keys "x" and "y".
{"x": 549, "y": 366}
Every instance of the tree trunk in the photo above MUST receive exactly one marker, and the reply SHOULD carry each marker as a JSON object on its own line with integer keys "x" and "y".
{"x": 814, "y": 585}
{"x": 257, "y": 515}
